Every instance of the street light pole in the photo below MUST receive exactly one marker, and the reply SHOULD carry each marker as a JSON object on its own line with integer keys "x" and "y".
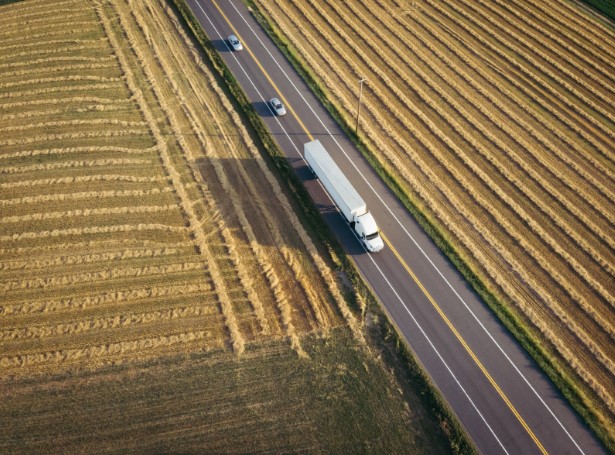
{"x": 363, "y": 79}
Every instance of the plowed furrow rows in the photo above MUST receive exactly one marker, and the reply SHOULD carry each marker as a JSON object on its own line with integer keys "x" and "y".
{"x": 50, "y": 124}
{"x": 231, "y": 243}
{"x": 547, "y": 133}
{"x": 38, "y": 43}
{"x": 271, "y": 265}
{"x": 89, "y": 88}
{"x": 74, "y": 164}
{"x": 25, "y": 18}
{"x": 143, "y": 345}
{"x": 70, "y": 260}
{"x": 47, "y": 80}
{"x": 100, "y": 264}
{"x": 584, "y": 42}
{"x": 66, "y": 33}
{"x": 57, "y": 26}
{"x": 33, "y": 7}
{"x": 101, "y": 301}
{"x": 122, "y": 228}
{"x": 92, "y": 245}
{"x": 73, "y": 69}
{"x": 554, "y": 48}
{"x": 49, "y": 22}
{"x": 568, "y": 223}
{"x": 91, "y": 277}
{"x": 42, "y": 198}
{"x": 77, "y": 150}
{"x": 537, "y": 70}
{"x": 72, "y": 328}
{"x": 64, "y": 100}
{"x": 537, "y": 56}
{"x": 85, "y": 45}
{"x": 198, "y": 233}
{"x": 86, "y": 212}
{"x": 56, "y": 60}
{"x": 572, "y": 16}
{"x": 525, "y": 71}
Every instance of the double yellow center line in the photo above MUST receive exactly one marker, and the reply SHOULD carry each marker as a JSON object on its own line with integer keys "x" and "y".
{"x": 401, "y": 260}
{"x": 450, "y": 325}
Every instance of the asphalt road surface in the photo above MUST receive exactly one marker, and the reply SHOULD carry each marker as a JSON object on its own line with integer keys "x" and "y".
{"x": 501, "y": 397}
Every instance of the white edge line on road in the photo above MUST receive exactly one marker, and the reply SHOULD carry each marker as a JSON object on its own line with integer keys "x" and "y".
{"x": 371, "y": 258}
{"x": 438, "y": 354}
{"x": 411, "y": 237}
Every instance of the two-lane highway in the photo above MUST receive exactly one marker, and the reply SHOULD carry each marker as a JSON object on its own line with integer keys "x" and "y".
{"x": 505, "y": 403}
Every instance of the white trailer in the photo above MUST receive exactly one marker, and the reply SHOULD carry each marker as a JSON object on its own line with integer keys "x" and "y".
{"x": 344, "y": 195}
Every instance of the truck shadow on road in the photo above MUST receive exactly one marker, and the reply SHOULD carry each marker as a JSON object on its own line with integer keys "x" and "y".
{"x": 235, "y": 195}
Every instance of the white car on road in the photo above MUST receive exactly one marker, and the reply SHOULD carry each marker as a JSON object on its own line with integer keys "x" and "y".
{"x": 277, "y": 106}
{"x": 235, "y": 43}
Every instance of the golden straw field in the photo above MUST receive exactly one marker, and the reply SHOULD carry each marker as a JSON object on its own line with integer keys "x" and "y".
{"x": 158, "y": 290}
{"x": 115, "y": 196}
{"x": 497, "y": 119}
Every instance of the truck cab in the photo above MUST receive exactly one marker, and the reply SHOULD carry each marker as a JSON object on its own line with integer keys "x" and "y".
{"x": 367, "y": 230}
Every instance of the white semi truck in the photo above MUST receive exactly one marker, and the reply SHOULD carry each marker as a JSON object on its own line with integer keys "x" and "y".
{"x": 344, "y": 195}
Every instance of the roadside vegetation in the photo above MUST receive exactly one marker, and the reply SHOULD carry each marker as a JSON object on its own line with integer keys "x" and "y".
{"x": 502, "y": 149}
{"x": 606, "y": 7}
{"x": 159, "y": 281}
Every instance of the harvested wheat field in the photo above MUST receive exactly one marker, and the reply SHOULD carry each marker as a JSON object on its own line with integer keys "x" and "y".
{"x": 158, "y": 291}
{"x": 497, "y": 119}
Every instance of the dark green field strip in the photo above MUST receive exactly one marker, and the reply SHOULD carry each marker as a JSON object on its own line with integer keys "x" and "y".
{"x": 212, "y": 403}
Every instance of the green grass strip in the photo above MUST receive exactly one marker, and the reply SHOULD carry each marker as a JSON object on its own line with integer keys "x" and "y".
{"x": 606, "y": 7}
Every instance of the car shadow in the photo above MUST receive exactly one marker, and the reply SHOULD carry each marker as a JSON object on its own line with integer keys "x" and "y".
{"x": 221, "y": 45}
{"x": 263, "y": 109}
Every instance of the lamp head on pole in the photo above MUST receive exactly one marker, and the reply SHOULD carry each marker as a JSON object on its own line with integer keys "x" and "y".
{"x": 356, "y": 127}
